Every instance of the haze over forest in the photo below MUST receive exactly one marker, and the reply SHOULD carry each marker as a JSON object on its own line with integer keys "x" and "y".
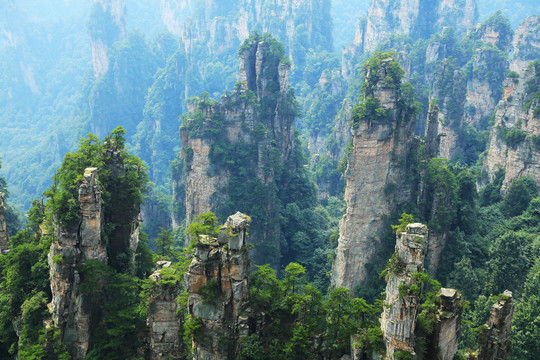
{"x": 256, "y": 179}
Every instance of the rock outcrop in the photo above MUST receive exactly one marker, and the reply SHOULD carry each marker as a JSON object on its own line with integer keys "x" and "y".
{"x": 447, "y": 329}
{"x": 164, "y": 318}
{"x": 526, "y": 44}
{"x": 236, "y": 144}
{"x": 217, "y": 283}
{"x": 417, "y": 19}
{"x": 398, "y": 320}
{"x": 108, "y": 24}
{"x": 4, "y": 237}
{"x": 72, "y": 308}
{"x": 376, "y": 179}
{"x": 513, "y": 143}
{"x": 494, "y": 339}
{"x": 82, "y": 250}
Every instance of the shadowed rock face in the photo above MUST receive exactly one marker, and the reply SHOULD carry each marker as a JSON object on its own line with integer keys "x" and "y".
{"x": 376, "y": 182}
{"x": 399, "y": 317}
{"x": 217, "y": 283}
{"x": 4, "y": 237}
{"x": 494, "y": 340}
{"x": 526, "y": 44}
{"x": 164, "y": 318}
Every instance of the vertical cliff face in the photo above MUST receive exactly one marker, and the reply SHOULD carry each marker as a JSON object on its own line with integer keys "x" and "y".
{"x": 494, "y": 339}
{"x": 376, "y": 174}
{"x": 72, "y": 309}
{"x": 164, "y": 318}
{"x": 513, "y": 142}
{"x": 448, "y": 327}
{"x": 488, "y": 67}
{"x": 217, "y": 282}
{"x": 526, "y": 44}
{"x": 108, "y": 23}
{"x": 418, "y": 19}
{"x": 402, "y": 299}
{"x": 241, "y": 143}
{"x": 105, "y": 233}
{"x": 4, "y": 237}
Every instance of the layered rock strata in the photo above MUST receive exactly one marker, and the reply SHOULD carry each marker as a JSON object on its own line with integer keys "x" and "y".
{"x": 71, "y": 308}
{"x": 217, "y": 283}
{"x": 402, "y": 302}
{"x": 526, "y": 44}
{"x": 375, "y": 176}
{"x": 4, "y": 237}
{"x": 494, "y": 340}
{"x": 447, "y": 331}
{"x": 513, "y": 142}
{"x": 256, "y": 122}
{"x": 164, "y": 318}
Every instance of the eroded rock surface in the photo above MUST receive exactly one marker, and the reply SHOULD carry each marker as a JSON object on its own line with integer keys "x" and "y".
{"x": 375, "y": 175}
{"x": 217, "y": 283}
{"x": 494, "y": 340}
{"x": 398, "y": 320}
{"x": 164, "y": 318}
{"x": 448, "y": 327}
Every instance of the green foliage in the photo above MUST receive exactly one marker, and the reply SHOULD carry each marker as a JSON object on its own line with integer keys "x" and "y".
{"x": 519, "y": 195}
{"x": 204, "y": 224}
{"x": 210, "y": 292}
{"x": 513, "y": 137}
{"x": 405, "y": 220}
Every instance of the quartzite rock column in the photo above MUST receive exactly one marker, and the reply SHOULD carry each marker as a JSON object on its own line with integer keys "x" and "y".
{"x": 164, "y": 318}
{"x": 402, "y": 303}
{"x": 71, "y": 309}
{"x": 494, "y": 340}
{"x": 217, "y": 283}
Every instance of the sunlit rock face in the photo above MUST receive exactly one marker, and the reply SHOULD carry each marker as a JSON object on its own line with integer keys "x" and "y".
{"x": 513, "y": 143}
{"x": 399, "y": 316}
{"x": 526, "y": 44}
{"x": 376, "y": 183}
{"x": 217, "y": 283}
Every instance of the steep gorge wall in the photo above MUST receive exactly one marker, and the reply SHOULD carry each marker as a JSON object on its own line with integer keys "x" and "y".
{"x": 4, "y": 237}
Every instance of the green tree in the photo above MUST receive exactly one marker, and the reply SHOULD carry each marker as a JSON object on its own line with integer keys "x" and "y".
{"x": 519, "y": 195}
{"x": 164, "y": 243}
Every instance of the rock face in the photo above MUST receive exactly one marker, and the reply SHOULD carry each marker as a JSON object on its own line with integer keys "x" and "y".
{"x": 4, "y": 237}
{"x": 217, "y": 283}
{"x": 80, "y": 250}
{"x": 513, "y": 142}
{"x": 164, "y": 318}
{"x": 243, "y": 137}
{"x": 399, "y": 316}
{"x": 417, "y": 19}
{"x": 230, "y": 23}
{"x": 526, "y": 44}
{"x": 108, "y": 24}
{"x": 447, "y": 330}
{"x": 376, "y": 169}
{"x": 72, "y": 309}
{"x": 494, "y": 340}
